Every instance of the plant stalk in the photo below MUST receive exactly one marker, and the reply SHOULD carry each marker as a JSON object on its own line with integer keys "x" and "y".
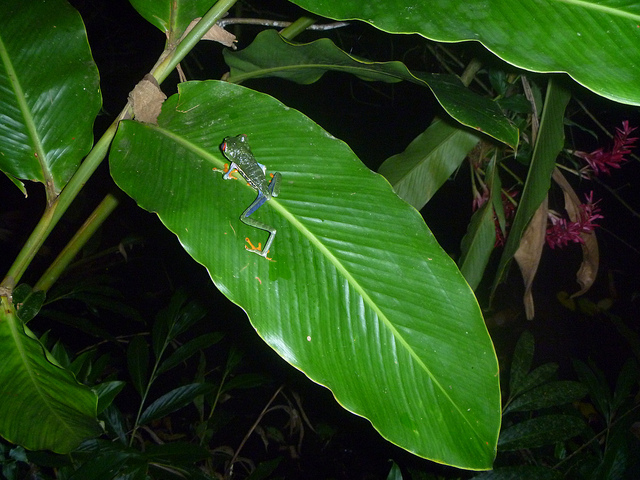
{"x": 168, "y": 61}
{"x": 297, "y": 27}
{"x": 54, "y": 212}
{"x": 68, "y": 253}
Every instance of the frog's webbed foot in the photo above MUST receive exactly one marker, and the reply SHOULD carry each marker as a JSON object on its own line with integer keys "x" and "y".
{"x": 258, "y": 250}
{"x": 228, "y": 171}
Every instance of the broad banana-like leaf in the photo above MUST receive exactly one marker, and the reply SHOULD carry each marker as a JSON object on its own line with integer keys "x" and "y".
{"x": 593, "y": 41}
{"x": 356, "y": 292}
{"x": 49, "y": 92}
{"x": 271, "y": 55}
{"x": 43, "y": 406}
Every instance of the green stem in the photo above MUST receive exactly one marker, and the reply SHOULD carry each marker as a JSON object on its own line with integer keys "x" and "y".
{"x": 467, "y": 76}
{"x": 512, "y": 173}
{"x": 253, "y": 427}
{"x": 143, "y": 400}
{"x": 297, "y": 27}
{"x": 214, "y": 404}
{"x": 66, "y": 256}
{"x": 168, "y": 61}
{"x": 145, "y": 394}
{"x": 171, "y": 58}
{"x": 54, "y": 212}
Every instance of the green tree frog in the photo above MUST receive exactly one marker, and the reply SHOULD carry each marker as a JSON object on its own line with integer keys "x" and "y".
{"x": 238, "y": 152}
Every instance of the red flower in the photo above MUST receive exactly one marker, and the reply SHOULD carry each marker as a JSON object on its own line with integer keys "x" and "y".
{"x": 562, "y": 231}
{"x": 600, "y": 161}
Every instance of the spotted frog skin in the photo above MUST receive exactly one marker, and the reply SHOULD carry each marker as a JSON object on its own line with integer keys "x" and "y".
{"x": 237, "y": 151}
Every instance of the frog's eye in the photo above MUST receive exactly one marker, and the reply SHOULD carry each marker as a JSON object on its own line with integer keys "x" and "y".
{"x": 223, "y": 147}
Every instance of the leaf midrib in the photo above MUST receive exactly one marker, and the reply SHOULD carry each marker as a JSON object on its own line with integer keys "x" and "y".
{"x": 277, "y": 205}
{"x": 17, "y": 336}
{"x": 260, "y": 72}
{"x": 616, "y": 12}
{"x": 26, "y": 113}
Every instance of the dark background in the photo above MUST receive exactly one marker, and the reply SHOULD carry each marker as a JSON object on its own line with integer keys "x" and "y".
{"x": 377, "y": 121}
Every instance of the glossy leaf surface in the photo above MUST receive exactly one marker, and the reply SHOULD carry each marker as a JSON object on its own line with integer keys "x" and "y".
{"x": 430, "y": 159}
{"x": 270, "y": 55}
{"x": 49, "y": 91}
{"x": 595, "y": 42}
{"x": 358, "y": 295}
{"x": 106, "y": 392}
{"x": 43, "y": 406}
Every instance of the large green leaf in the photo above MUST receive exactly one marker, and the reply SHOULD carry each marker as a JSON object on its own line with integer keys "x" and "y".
{"x": 596, "y": 42}
{"x": 49, "y": 91}
{"x": 43, "y": 406}
{"x": 270, "y": 55}
{"x": 358, "y": 295}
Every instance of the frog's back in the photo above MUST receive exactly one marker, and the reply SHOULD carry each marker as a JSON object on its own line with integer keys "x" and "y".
{"x": 254, "y": 174}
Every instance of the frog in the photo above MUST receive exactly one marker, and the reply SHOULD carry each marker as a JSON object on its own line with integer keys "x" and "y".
{"x": 238, "y": 152}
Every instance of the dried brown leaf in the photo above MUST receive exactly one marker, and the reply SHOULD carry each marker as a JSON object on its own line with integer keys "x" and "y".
{"x": 215, "y": 34}
{"x": 146, "y": 99}
{"x": 529, "y": 253}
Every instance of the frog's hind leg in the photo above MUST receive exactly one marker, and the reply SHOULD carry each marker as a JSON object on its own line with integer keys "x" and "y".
{"x": 244, "y": 218}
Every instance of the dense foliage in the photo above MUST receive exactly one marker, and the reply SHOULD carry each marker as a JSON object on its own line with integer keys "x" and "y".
{"x": 121, "y": 360}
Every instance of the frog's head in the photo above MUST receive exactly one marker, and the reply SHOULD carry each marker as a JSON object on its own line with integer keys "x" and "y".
{"x": 234, "y": 144}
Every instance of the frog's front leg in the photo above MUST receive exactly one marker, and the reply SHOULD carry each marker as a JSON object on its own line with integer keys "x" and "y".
{"x": 231, "y": 168}
{"x": 274, "y": 190}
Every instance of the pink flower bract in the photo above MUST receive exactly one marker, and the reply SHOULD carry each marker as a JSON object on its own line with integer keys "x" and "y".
{"x": 563, "y": 231}
{"x": 600, "y": 161}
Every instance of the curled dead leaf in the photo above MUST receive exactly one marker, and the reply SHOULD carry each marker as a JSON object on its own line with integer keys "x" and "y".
{"x": 529, "y": 252}
{"x": 146, "y": 99}
{"x": 215, "y": 34}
